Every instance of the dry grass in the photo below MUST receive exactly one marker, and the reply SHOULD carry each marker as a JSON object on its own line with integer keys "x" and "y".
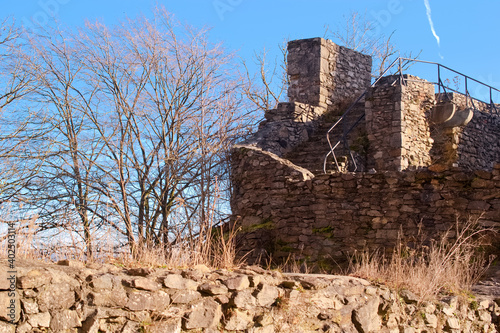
{"x": 448, "y": 265}
{"x": 211, "y": 247}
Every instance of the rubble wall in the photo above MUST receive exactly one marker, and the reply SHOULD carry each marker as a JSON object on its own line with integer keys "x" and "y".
{"x": 285, "y": 210}
{"x": 110, "y": 299}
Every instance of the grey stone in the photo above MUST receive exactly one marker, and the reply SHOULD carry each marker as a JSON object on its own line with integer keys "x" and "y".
{"x": 71, "y": 263}
{"x": 33, "y": 279}
{"x": 238, "y": 321}
{"x": 237, "y": 283}
{"x": 431, "y": 320}
{"x": 145, "y": 284}
{"x": 204, "y": 314}
{"x": 64, "y": 320}
{"x": 103, "y": 282}
{"x": 408, "y": 296}
{"x": 39, "y": 319}
{"x": 185, "y": 296}
{"x": 212, "y": 288}
{"x": 176, "y": 281}
{"x": 133, "y": 327}
{"x": 56, "y": 297}
{"x": 30, "y": 306}
{"x": 366, "y": 318}
{"x": 267, "y": 295}
{"x": 7, "y": 328}
{"x": 7, "y": 280}
{"x": 139, "y": 300}
{"x": 244, "y": 300}
{"x": 453, "y": 323}
{"x": 173, "y": 325}
{"x": 10, "y": 307}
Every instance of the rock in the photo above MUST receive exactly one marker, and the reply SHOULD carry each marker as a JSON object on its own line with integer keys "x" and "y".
{"x": 145, "y": 284}
{"x": 91, "y": 324}
{"x": 237, "y": 283}
{"x": 56, "y": 297}
{"x": 408, "y": 296}
{"x": 366, "y": 318}
{"x": 64, "y": 320}
{"x": 453, "y": 323}
{"x": 7, "y": 328}
{"x": 139, "y": 300}
{"x": 30, "y": 306}
{"x": 7, "y": 280}
{"x": 267, "y": 295}
{"x": 431, "y": 320}
{"x": 71, "y": 263}
{"x": 238, "y": 321}
{"x": 244, "y": 300}
{"x": 204, "y": 314}
{"x": 22, "y": 328}
{"x": 133, "y": 327}
{"x": 176, "y": 281}
{"x": 33, "y": 279}
{"x": 173, "y": 325}
{"x": 39, "y": 319}
{"x": 202, "y": 268}
{"x": 103, "y": 282}
{"x": 139, "y": 271}
{"x": 10, "y": 307}
{"x": 212, "y": 288}
{"x": 185, "y": 296}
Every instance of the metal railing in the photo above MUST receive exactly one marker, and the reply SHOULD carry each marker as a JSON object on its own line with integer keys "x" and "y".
{"x": 404, "y": 63}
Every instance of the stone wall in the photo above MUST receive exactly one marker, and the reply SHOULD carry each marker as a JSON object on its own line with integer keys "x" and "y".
{"x": 428, "y": 162}
{"x": 324, "y": 78}
{"x": 109, "y": 299}
{"x": 285, "y": 210}
{"x": 472, "y": 146}
{"x": 325, "y": 74}
{"x": 397, "y": 123}
{"x": 479, "y": 142}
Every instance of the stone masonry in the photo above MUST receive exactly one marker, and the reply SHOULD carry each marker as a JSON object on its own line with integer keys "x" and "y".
{"x": 105, "y": 298}
{"x": 432, "y": 160}
{"x": 322, "y": 76}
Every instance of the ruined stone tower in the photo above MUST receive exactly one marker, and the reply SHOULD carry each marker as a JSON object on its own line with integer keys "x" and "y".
{"x": 422, "y": 160}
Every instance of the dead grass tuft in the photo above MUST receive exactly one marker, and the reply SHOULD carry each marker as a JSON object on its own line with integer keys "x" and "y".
{"x": 449, "y": 265}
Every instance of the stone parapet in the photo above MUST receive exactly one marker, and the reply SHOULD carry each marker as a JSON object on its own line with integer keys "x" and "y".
{"x": 284, "y": 210}
{"x": 109, "y": 299}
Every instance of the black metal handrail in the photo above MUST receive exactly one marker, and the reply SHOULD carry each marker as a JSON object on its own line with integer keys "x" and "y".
{"x": 403, "y": 63}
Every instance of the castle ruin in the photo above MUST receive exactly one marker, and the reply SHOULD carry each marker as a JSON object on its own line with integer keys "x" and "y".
{"x": 405, "y": 160}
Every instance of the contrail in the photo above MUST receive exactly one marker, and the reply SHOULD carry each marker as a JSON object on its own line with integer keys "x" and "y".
{"x": 428, "y": 7}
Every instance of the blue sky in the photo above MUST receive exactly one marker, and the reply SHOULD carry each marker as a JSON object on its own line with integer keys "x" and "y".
{"x": 467, "y": 31}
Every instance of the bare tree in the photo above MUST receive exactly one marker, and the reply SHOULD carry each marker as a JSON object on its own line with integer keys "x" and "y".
{"x": 266, "y": 88}
{"x": 139, "y": 121}
{"x": 19, "y": 123}
{"x": 360, "y": 34}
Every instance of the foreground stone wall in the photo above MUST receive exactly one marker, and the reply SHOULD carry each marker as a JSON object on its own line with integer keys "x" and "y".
{"x": 110, "y": 299}
{"x": 285, "y": 210}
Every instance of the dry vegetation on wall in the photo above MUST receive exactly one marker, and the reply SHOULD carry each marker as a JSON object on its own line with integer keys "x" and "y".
{"x": 450, "y": 264}
{"x": 211, "y": 247}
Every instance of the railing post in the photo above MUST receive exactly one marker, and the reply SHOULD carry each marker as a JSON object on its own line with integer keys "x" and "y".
{"x": 439, "y": 80}
{"x": 466, "y": 93}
